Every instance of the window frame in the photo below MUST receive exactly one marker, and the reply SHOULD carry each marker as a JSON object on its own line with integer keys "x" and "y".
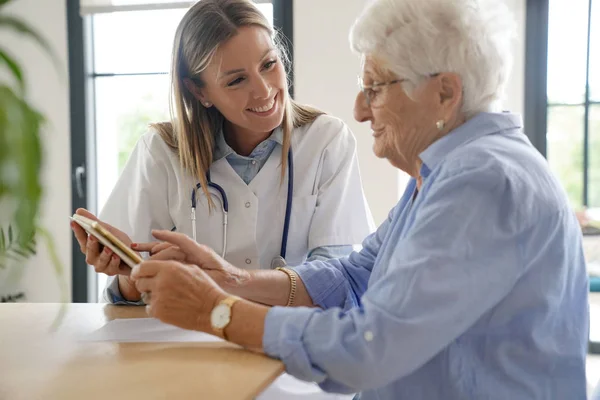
{"x": 536, "y": 82}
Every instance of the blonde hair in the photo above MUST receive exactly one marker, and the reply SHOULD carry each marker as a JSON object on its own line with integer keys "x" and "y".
{"x": 191, "y": 132}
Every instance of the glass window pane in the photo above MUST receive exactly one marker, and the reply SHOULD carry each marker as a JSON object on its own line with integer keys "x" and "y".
{"x": 267, "y": 10}
{"x": 565, "y": 149}
{"x": 125, "y": 105}
{"x": 595, "y": 52}
{"x": 140, "y": 41}
{"x": 594, "y": 157}
{"x": 134, "y": 41}
{"x": 567, "y": 51}
{"x": 131, "y": 42}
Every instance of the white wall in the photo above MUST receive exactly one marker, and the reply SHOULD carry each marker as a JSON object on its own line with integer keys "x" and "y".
{"x": 49, "y": 92}
{"x": 326, "y": 73}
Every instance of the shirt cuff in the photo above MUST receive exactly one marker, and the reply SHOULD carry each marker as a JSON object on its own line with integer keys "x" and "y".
{"x": 112, "y": 294}
{"x": 282, "y": 339}
{"x": 325, "y": 284}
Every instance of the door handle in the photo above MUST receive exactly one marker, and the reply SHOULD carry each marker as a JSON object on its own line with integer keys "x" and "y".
{"x": 79, "y": 178}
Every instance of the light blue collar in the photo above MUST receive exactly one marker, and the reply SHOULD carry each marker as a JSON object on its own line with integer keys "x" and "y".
{"x": 480, "y": 125}
{"x": 222, "y": 149}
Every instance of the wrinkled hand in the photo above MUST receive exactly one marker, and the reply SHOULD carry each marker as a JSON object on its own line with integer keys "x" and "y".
{"x": 102, "y": 258}
{"x": 179, "y": 294}
{"x": 179, "y": 247}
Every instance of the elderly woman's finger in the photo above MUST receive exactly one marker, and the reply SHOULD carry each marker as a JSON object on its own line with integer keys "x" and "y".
{"x": 147, "y": 246}
{"x": 148, "y": 269}
{"x": 171, "y": 253}
{"x": 161, "y": 247}
{"x": 144, "y": 285}
{"x": 184, "y": 242}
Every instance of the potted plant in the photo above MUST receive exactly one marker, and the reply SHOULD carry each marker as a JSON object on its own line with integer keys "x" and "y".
{"x": 20, "y": 163}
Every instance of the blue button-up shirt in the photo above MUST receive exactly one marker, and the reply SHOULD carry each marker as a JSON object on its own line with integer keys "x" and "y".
{"x": 474, "y": 289}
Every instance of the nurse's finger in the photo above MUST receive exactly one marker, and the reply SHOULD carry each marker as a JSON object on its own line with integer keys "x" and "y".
{"x": 101, "y": 264}
{"x": 85, "y": 213}
{"x": 184, "y": 242}
{"x": 171, "y": 253}
{"x": 80, "y": 235}
{"x": 114, "y": 266}
{"x": 92, "y": 250}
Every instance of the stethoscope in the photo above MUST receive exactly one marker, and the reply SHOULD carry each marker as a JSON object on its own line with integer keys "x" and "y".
{"x": 278, "y": 261}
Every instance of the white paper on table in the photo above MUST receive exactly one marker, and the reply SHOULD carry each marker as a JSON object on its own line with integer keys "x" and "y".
{"x": 145, "y": 330}
{"x": 153, "y": 330}
{"x": 289, "y": 388}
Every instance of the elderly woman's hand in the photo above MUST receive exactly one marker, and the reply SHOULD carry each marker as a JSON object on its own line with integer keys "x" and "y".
{"x": 178, "y": 294}
{"x": 179, "y": 247}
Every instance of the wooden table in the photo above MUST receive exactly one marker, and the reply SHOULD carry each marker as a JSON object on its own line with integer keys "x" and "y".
{"x": 40, "y": 358}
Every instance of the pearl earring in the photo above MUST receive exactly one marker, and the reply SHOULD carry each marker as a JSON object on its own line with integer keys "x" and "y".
{"x": 207, "y": 104}
{"x": 440, "y": 124}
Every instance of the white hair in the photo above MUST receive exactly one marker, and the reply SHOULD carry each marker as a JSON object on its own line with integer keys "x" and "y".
{"x": 416, "y": 38}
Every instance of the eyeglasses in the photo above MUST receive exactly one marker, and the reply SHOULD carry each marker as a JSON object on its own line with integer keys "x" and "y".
{"x": 368, "y": 91}
{"x": 370, "y": 94}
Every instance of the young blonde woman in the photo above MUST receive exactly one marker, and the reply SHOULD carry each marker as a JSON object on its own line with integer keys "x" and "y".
{"x": 268, "y": 179}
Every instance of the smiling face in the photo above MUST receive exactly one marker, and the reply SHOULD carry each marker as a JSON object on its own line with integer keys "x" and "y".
{"x": 246, "y": 82}
{"x": 404, "y": 126}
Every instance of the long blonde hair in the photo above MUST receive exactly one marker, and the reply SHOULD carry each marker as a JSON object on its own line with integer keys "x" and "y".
{"x": 191, "y": 132}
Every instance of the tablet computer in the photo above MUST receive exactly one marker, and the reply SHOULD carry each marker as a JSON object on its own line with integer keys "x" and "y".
{"x": 125, "y": 253}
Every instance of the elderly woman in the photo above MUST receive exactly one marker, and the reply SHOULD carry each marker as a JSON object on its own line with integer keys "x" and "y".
{"x": 475, "y": 287}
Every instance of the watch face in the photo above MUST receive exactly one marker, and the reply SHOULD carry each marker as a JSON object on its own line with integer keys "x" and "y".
{"x": 220, "y": 316}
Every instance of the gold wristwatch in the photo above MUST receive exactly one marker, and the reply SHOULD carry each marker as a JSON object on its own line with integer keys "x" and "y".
{"x": 220, "y": 316}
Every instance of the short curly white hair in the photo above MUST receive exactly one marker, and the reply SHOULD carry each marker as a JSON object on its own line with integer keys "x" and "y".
{"x": 416, "y": 38}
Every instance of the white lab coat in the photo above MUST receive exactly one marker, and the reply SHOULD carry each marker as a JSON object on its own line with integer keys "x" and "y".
{"x": 329, "y": 206}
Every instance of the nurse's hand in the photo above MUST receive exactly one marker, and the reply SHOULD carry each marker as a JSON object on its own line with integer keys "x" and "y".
{"x": 179, "y": 247}
{"x": 102, "y": 258}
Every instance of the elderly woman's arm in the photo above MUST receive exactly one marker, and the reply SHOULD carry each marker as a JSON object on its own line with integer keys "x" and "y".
{"x": 324, "y": 283}
{"x": 466, "y": 241}
{"x": 461, "y": 257}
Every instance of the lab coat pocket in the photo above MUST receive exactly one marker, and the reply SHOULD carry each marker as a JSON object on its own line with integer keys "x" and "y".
{"x": 303, "y": 208}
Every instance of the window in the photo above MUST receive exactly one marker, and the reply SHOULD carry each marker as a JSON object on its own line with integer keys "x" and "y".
{"x": 131, "y": 53}
{"x": 573, "y": 93}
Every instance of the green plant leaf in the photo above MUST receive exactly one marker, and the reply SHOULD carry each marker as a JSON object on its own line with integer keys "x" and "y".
{"x": 2, "y": 241}
{"x": 11, "y": 247}
{"x": 12, "y": 65}
{"x": 9, "y": 21}
{"x": 19, "y": 131}
{"x": 55, "y": 259}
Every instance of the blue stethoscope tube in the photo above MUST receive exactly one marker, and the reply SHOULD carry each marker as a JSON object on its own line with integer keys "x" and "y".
{"x": 277, "y": 261}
